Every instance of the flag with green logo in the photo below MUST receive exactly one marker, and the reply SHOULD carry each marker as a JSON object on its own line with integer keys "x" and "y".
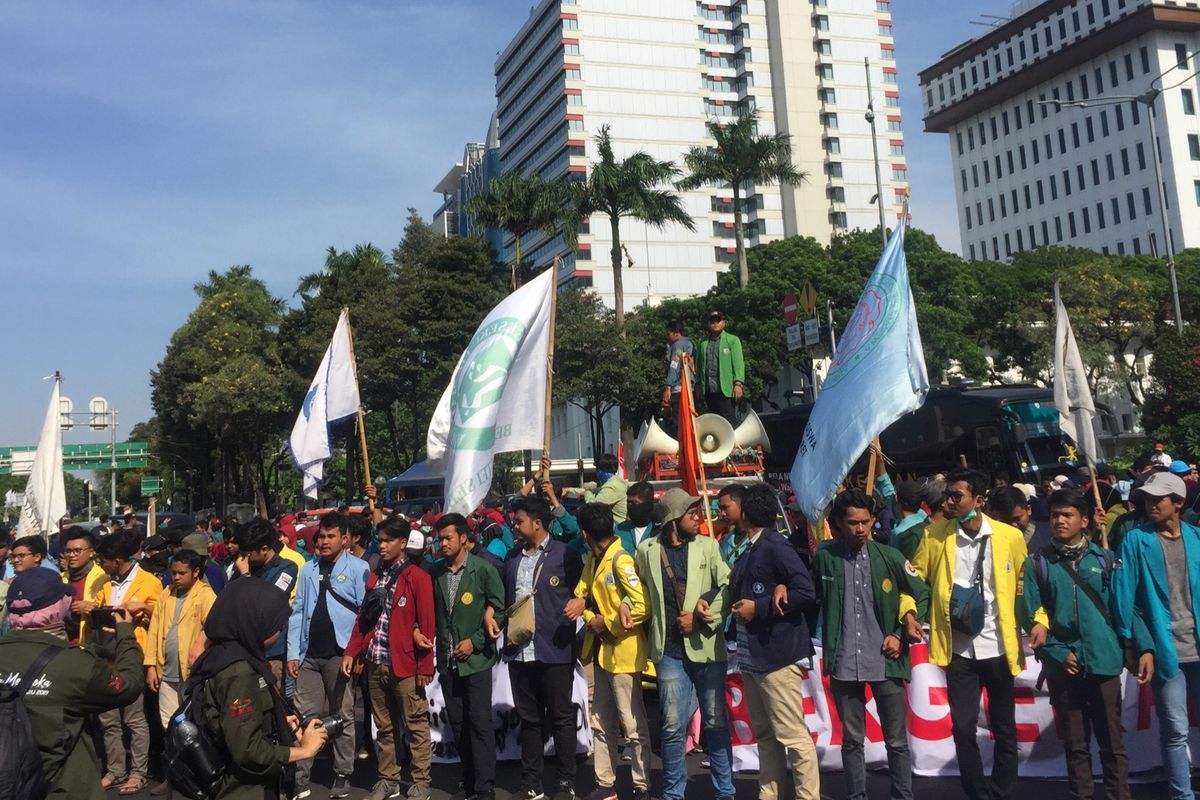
{"x": 496, "y": 400}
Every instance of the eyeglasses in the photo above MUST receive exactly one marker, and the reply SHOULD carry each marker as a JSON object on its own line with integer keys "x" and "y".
{"x": 955, "y": 496}
{"x": 18, "y": 556}
{"x": 74, "y": 551}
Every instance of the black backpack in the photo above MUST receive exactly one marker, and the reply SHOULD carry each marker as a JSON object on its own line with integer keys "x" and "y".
{"x": 21, "y": 775}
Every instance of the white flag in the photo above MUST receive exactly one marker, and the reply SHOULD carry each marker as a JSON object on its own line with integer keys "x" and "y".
{"x": 496, "y": 400}
{"x": 1072, "y": 395}
{"x": 45, "y": 495}
{"x": 333, "y": 396}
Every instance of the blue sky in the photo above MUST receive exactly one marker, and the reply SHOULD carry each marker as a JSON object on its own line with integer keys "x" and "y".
{"x": 143, "y": 144}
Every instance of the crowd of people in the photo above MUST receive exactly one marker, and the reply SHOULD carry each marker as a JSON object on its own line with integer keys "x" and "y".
{"x": 276, "y": 634}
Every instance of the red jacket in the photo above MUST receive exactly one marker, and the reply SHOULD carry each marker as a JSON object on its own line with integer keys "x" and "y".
{"x": 411, "y": 607}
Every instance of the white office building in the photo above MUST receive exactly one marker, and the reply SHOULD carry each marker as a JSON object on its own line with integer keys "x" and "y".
{"x": 655, "y": 73}
{"x": 1029, "y": 172}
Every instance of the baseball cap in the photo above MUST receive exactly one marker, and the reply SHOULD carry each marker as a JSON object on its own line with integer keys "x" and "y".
{"x": 713, "y": 315}
{"x": 416, "y": 541}
{"x": 196, "y": 542}
{"x": 1161, "y": 484}
{"x": 1179, "y": 467}
{"x": 1060, "y": 482}
{"x": 35, "y": 589}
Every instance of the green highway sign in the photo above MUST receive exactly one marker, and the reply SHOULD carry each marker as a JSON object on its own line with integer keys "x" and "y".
{"x": 78, "y": 457}
{"x": 151, "y": 484}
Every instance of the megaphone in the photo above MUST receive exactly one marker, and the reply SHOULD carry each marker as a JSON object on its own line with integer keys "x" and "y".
{"x": 751, "y": 433}
{"x": 715, "y": 436}
{"x": 656, "y": 440}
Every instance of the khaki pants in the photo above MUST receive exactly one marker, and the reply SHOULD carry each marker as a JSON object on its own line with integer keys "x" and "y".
{"x": 122, "y": 762}
{"x": 618, "y": 708}
{"x": 169, "y": 698}
{"x": 776, "y": 707}
{"x": 392, "y": 699}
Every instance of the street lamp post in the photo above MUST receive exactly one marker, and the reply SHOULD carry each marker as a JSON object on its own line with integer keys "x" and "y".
{"x": 1147, "y": 99}
{"x": 875, "y": 154}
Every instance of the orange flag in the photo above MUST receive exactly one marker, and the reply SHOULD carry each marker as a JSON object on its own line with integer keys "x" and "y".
{"x": 689, "y": 449}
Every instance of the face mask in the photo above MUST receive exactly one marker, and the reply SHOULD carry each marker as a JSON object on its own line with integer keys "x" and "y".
{"x": 640, "y": 513}
{"x": 603, "y": 477}
{"x": 970, "y": 515}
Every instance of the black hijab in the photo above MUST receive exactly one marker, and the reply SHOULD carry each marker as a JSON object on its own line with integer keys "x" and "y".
{"x": 247, "y": 612}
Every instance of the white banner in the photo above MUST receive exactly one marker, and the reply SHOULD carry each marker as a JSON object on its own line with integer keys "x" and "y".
{"x": 45, "y": 501}
{"x": 929, "y": 735}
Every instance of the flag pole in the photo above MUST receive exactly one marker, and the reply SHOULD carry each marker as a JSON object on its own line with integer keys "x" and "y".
{"x": 550, "y": 370}
{"x": 876, "y": 458}
{"x": 701, "y": 483}
{"x": 1096, "y": 495}
{"x": 362, "y": 428}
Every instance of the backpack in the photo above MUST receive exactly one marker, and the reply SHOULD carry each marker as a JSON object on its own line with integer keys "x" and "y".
{"x": 194, "y": 765}
{"x": 21, "y": 774}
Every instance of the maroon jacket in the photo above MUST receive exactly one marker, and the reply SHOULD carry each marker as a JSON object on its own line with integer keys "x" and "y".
{"x": 410, "y": 607}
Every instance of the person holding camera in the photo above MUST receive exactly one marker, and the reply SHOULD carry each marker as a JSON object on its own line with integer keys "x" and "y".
{"x": 242, "y": 710}
{"x": 71, "y": 686}
{"x": 973, "y": 565}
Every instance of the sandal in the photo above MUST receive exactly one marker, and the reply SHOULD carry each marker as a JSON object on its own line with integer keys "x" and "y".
{"x": 132, "y": 786}
{"x": 109, "y": 781}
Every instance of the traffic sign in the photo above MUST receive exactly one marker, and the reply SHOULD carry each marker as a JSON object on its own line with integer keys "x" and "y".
{"x": 812, "y": 332}
{"x": 795, "y": 337}
{"x": 808, "y": 298}
{"x": 791, "y": 308}
{"x": 151, "y": 484}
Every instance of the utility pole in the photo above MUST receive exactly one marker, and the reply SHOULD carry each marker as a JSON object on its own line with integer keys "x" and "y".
{"x": 875, "y": 153}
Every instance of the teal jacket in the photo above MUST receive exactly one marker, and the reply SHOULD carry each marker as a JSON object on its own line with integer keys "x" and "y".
{"x": 896, "y": 587}
{"x": 707, "y": 576}
{"x": 730, "y": 366}
{"x": 479, "y": 589}
{"x": 1140, "y": 587}
{"x": 627, "y": 532}
{"x": 1067, "y": 612}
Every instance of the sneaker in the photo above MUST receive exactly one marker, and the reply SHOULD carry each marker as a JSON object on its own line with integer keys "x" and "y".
{"x": 641, "y": 794}
{"x": 530, "y": 793}
{"x": 565, "y": 790}
{"x": 341, "y": 786}
{"x": 303, "y": 794}
{"x": 384, "y": 790}
{"x": 603, "y": 793}
{"x": 362, "y": 754}
{"x": 418, "y": 792}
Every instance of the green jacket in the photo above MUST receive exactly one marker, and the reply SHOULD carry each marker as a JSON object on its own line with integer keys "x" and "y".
{"x": 896, "y": 588}
{"x": 239, "y": 712}
{"x": 730, "y": 366}
{"x": 479, "y": 589}
{"x": 1067, "y": 612}
{"x": 74, "y": 686}
{"x": 707, "y": 576}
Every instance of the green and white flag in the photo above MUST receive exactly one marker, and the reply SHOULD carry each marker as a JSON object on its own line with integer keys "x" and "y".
{"x": 496, "y": 400}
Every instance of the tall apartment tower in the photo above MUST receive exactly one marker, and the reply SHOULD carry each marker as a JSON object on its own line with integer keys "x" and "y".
{"x": 1048, "y": 146}
{"x": 655, "y": 73}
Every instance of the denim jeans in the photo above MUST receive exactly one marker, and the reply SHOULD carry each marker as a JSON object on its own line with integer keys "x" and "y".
{"x": 680, "y": 683}
{"x": 1170, "y": 701}
{"x": 890, "y": 701}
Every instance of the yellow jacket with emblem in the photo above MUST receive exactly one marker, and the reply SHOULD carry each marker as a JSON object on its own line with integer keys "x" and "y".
{"x": 935, "y": 561}
{"x": 196, "y": 605}
{"x": 146, "y": 588}
{"x": 91, "y": 585}
{"x": 606, "y": 583}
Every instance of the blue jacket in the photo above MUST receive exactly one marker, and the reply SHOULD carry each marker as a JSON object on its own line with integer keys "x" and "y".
{"x": 1140, "y": 588}
{"x": 774, "y": 641}
{"x": 348, "y": 580}
{"x": 554, "y": 634}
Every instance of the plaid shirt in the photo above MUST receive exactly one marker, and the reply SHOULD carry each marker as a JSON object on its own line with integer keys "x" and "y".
{"x": 377, "y": 651}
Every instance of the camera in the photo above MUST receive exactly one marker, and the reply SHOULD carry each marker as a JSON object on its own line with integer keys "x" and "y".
{"x": 331, "y": 722}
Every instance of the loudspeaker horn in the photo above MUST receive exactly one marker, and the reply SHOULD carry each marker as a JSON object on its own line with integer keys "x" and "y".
{"x": 716, "y": 438}
{"x": 657, "y": 440}
{"x": 751, "y": 433}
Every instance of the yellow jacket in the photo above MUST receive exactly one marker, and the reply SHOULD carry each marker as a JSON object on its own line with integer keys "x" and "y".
{"x": 288, "y": 554}
{"x": 935, "y": 560}
{"x": 145, "y": 589}
{"x": 607, "y": 583}
{"x": 196, "y": 605}
{"x": 91, "y": 585}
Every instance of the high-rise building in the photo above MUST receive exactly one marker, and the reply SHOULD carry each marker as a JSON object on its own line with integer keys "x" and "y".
{"x": 1050, "y": 133}
{"x": 655, "y": 73}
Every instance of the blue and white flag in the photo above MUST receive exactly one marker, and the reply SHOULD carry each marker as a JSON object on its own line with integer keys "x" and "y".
{"x": 332, "y": 397}
{"x": 877, "y": 376}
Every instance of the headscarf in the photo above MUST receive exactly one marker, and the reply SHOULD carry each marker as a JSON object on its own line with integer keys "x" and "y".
{"x": 247, "y": 612}
{"x": 49, "y": 619}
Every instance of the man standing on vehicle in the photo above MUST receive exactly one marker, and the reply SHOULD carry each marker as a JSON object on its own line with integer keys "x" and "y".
{"x": 686, "y": 583}
{"x": 328, "y": 595}
{"x": 721, "y": 370}
{"x": 974, "y": 563}
{"x": 679, "y": 347}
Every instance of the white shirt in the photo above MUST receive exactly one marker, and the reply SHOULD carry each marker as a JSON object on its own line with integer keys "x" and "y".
{"x": 119, "y": 590}
{"x": 988, "y": 643}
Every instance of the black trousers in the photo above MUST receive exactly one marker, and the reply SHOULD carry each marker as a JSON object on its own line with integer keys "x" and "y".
{"x": 966, "y": 678}
{"x": 1086, "y": 705}
{"x": 469, "y": 709}
{"x": 542, "y": 696}
{"x": 717, "y": 403}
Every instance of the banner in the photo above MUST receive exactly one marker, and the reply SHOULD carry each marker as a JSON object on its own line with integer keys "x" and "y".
{"x": 332, "y": 397}
{"x": 496, "y": 400}
{"x": 929, "y": 733}
{"x": 877, "y": 376}
{"x": 45, "y": 501}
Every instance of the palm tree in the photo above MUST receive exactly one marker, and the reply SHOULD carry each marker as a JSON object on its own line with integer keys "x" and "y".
{"x": 741, "y": 155}
{"x": 341, "y": 268}
{"x": 520, "y": 204}
{"x": 627, "y": 188}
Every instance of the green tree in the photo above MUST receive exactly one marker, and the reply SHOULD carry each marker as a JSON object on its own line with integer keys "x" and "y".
{"x": 740, "y": 155}
{"x": 1171, "y": 414}
{"x": 520, "y": 204}
{"x": 624, "y": 188}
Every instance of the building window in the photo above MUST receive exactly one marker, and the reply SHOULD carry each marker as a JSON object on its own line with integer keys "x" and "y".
{"x": 827, "y": 95}
{"x": 570, "y": 24}
{"x": 887, "y": 51}
{"x": 830, "y": 120}
{"x": 834, "y": 169}
{"x": 573, "y": 75}
{"x": 826, "y": 71}
{"x": 1181, "y": 56}
{"x": 891, "y": 102}
{"x": 893, "y": 125}
{"x": 1196, "y": 189}
{"x": 822, "y": 23}
{"x": 885, "y": 29}
{"x": 838, "y": 219}
{"x": 571, "y": 49}
{"x": 575, "y": 125}
{"x": 899, "y": 174}
{"x": 833, "y": 146}
{"x": 1145, "y": 56}
{"x": 897, "y": 149}
{"x": 824, "y": 47}
{"x": 574, "y": 99}
{"x": 837, "y": 194}
{"x": 889, "y": 77}
{"x": 1189, "y": 104}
